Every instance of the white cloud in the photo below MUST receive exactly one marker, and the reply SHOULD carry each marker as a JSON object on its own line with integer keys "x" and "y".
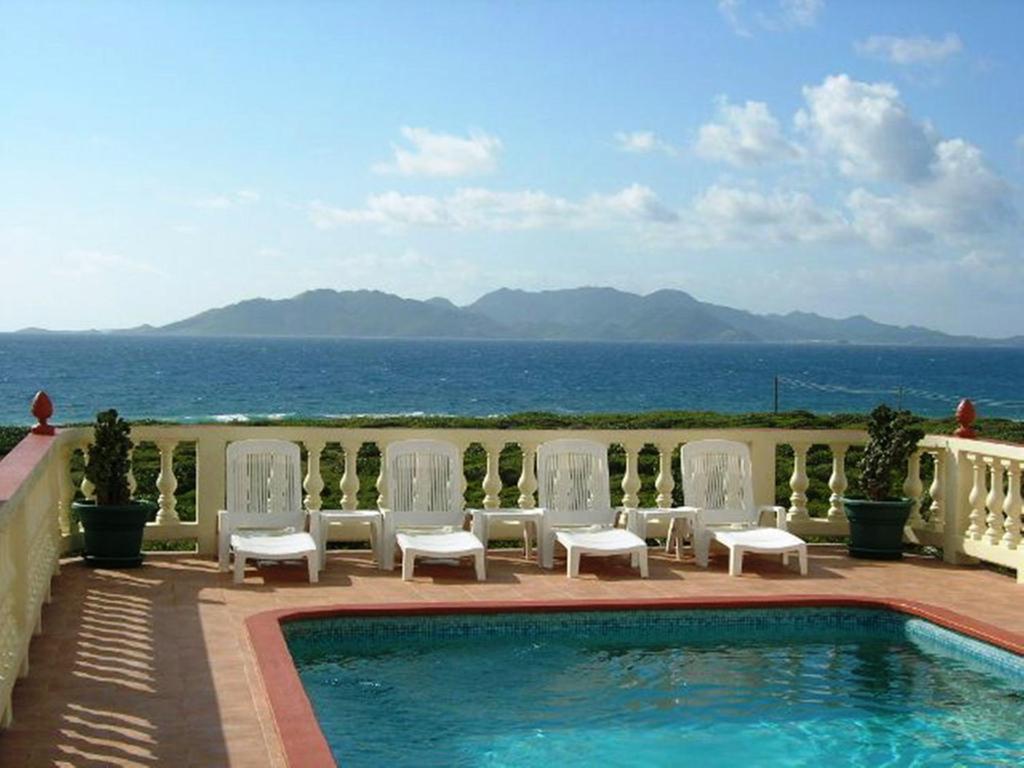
{"x": 731, "y": 12}
{"x": 443, "y": 154}
{"x": 802, "y": 13}
{"x": 788, "y": 14}
{"x": 744, "y": 136}
{"x": 87, "y": 263}
{"x": 733, "y": 216}
{"x": 960, "y": 202}
{"x": 868, "y": 128}
{"x": 642, "y": 142}
{"x": 477, "y": 208}
{"x": 222, "y": 202}
{"x": 910, "y": 50}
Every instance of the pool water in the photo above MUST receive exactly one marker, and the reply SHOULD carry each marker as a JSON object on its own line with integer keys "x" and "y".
{"x": 775, "y": 687}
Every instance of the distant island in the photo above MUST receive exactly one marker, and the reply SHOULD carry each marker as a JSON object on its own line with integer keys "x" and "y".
{"x": 577, "y": 314}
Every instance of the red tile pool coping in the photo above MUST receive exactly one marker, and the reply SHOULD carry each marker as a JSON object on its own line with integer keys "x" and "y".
{"x": 304, "y": 743}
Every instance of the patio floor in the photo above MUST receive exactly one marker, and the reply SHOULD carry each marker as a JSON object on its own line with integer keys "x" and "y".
{"x": 152, "y": 666}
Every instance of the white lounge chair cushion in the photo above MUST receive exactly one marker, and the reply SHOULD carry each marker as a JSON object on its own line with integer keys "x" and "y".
{"x": 273, "y": 546}
{"x": 604, "y": 541}
{"x": 445, "y": 544}
{"x": 760, "y": 539}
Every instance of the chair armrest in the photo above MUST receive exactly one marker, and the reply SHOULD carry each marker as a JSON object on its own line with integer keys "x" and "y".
{"x": 779, "y": 512}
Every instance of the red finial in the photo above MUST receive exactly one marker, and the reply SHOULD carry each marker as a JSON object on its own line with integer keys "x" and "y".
{"x": 965, "y": 416}
{"x": 42, "y": 409}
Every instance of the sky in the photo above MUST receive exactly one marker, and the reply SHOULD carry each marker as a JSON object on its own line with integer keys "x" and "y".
{"x": 159, "y": 159}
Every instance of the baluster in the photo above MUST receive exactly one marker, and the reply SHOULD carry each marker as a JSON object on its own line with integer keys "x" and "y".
{"x": 936, "y": 511}
{"x": 528, "y": 477}
{"x": 1012, "y": 508}
{"x": 837, "y": 483}
{"x": 977, "y": 497}
{"x": 382, "y": 488}
{"x": 994, "y": 501}
{"x": 913, "y": 488}
{"x": 631, "y": 479}
{"x": 313, "y": 483}
{"x": 87, "y": 488}
{"x": 798, "y": 483}
{"x": 664, "y": 482}
{"x": 492, "y": 480}
{"x": 349, "y": 484}
{"x": 167, "y": 484}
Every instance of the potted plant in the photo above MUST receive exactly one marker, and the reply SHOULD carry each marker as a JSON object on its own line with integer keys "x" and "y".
{"x": 113, "y": 524}
{"x": 877, "y": 522}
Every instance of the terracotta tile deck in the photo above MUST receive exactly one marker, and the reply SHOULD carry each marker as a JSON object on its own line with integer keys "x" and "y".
{"x": 152, "y": 667}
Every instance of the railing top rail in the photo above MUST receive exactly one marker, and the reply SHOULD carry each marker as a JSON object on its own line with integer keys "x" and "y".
{"x": 231, "y": 432}
{"x": 20, "y": 467}
{"x": 996, "y": 448}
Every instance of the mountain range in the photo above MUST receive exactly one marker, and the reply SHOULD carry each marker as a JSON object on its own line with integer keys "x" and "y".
{"x": 569, "y": 314}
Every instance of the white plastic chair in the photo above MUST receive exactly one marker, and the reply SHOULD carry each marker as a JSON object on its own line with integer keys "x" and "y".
{"x": 718, "y": 479}
{"x": 572, "y": 480}
{"x": 264, "y": 519}
{"x": 424, "y": 514}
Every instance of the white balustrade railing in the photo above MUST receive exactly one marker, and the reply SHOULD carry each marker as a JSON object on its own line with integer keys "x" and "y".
{"x": 973, "y": 505}
{"x": 210, "y": 442}
{"x": 35, "y": 496}
{"x": 975, "y": 513}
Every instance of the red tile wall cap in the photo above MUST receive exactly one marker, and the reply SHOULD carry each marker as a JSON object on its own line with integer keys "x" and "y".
{"x": 17, "y": 465}
{"x": 304, "y": 742}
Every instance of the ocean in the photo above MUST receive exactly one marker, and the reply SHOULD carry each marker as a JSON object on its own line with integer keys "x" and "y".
{"x": 238, "y": 379}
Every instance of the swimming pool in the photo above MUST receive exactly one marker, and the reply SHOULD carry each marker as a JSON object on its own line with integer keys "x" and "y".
{"x": 711, "y": 687}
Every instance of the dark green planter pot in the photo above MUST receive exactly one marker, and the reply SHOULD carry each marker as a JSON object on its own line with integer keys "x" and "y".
{"x": 876, "y": 527}
{"x": 113, "y": 534}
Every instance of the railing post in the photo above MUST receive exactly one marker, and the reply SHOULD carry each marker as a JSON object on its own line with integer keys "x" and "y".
{"x": 631, "y": 478}
{"x": 313, "y": 483}
{"x": 528, "y": 476}
{"x": 912, "y": 489}
{"x": 664, "y": 482}
{"x": 65, "y": 490}
{"x": 492, "y": 480}
{"x": 837, "y": 483}
{"x": 958, "y": 473}
{"x": 211, "y": 474}
{"x": 349, "y": 484}
{"x": 167, "y": 484}
{"x": 762, "y": 459}
{"x": 798, "y": 483}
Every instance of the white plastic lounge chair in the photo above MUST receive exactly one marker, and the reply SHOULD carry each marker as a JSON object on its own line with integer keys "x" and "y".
{"x": 425, "y": 514}
{"x": 717, "y": 478}
{"x": 573, "y": 485}
{"x": 265, "y": 519}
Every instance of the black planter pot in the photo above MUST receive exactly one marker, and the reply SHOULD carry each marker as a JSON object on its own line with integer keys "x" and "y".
{"x": 113, "y": 534}
{"x": 876, "y": 527}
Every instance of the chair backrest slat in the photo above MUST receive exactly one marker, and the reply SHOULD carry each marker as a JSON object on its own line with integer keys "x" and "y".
{"x": 424, "y": 483}
{"x": 572, "y": 477}
{"x": 718, "y": 478}
{"x": 264, "y": 484}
